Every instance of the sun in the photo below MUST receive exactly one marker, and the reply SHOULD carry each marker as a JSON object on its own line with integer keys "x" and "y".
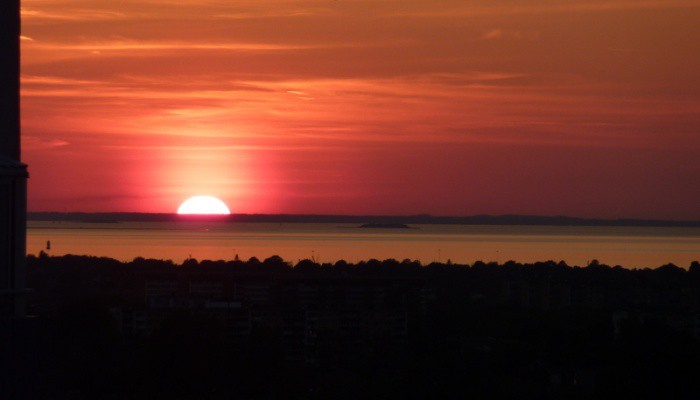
{"x": 203, "y": 205}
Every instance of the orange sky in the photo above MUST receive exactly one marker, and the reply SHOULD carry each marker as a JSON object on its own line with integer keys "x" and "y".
{"x": 447, "y": 107}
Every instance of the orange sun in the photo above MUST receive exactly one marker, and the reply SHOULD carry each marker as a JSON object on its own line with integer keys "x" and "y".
{"x": 203, "y": 205}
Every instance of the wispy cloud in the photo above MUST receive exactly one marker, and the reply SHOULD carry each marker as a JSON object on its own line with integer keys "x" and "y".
{"x": 497, "y": 33}
{"x": 132, "y": 46}
{"x": 31, "y": 14}
{"x": 368, "y": 100}
{"x": 30, "y": 142}
{"x": 455, "y": 9}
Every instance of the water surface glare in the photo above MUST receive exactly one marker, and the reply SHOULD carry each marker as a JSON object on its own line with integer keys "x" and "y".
{"x": 632, "y": 247}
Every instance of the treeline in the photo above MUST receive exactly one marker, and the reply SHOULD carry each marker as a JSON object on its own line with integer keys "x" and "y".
{"x": 278, "y": 264}
{"x": 511, "y": 282}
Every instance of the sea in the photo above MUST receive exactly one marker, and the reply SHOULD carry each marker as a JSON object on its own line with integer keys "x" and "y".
{"x": 630, "y": 247}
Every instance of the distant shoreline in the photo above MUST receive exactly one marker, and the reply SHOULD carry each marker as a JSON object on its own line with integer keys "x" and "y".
{"x": 422, "y": 219}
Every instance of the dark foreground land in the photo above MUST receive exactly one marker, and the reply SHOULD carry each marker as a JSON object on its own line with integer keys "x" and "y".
{"x": 387, "y": 330}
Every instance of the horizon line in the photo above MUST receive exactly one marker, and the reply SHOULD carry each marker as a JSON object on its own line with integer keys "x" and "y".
{"x": 513, "y": 218}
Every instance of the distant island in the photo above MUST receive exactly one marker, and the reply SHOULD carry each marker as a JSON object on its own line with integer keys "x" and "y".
{"x": 386, "y": 226}
{"x": 359, "y": 219}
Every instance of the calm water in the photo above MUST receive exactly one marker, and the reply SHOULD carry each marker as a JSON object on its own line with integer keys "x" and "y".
{"x": 629, "y": 247}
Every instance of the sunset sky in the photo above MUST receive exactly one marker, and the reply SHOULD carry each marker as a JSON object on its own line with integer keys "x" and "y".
{"x": 446, "y": 107}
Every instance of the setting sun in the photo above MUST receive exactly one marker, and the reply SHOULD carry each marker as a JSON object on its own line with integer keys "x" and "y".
{"x": 203, "y": 205}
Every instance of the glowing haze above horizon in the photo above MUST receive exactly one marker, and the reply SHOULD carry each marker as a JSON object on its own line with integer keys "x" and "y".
{"x": 447, "y": 107}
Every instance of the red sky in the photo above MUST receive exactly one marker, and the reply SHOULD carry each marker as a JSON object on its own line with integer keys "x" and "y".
{"x": 447, "y": 107}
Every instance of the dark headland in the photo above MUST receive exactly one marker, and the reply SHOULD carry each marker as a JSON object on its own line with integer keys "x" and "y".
{"x": 377, "y": 220}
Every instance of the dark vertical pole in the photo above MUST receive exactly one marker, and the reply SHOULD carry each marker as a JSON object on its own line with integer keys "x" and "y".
{"x": 9, "y": 79}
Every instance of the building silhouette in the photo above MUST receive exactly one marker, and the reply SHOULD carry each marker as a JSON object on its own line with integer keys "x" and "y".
{"x": 13, "y": 174}
{"x": 16, "y": 333}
